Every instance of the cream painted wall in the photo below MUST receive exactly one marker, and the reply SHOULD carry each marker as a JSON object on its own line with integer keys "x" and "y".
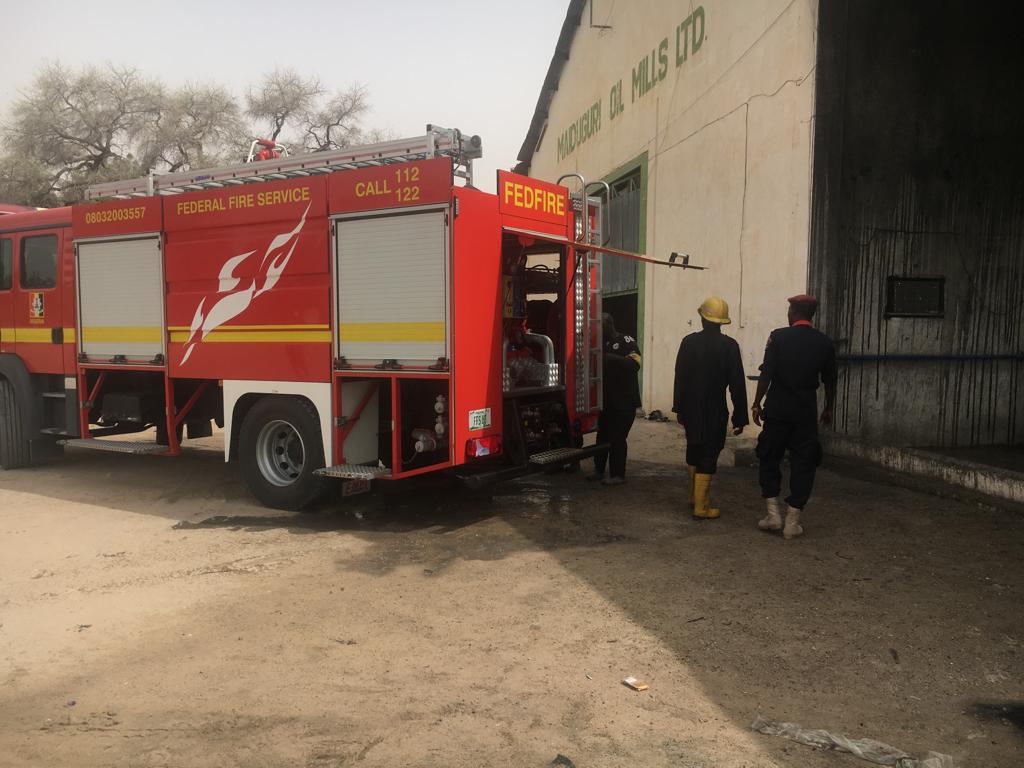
{"x": 728, "y": 136}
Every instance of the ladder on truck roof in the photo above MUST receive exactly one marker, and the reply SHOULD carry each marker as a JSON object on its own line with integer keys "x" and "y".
{"x": 437, "y": 142}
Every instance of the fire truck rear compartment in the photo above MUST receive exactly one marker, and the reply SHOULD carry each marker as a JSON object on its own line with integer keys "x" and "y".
{"x": 536, "y": 422}
{"x": 390, "y": 425}
{"x": 533, "y": 276}
{"x": 536, "y": 426}
{"x": 424, "y": 437}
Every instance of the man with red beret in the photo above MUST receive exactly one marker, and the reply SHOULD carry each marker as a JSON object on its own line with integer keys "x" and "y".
{"x": 796, "y": 359}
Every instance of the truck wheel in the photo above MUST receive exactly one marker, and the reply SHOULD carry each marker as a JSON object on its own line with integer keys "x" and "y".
{"x": 13, "y": 445}
{"x": 280, "y": 446}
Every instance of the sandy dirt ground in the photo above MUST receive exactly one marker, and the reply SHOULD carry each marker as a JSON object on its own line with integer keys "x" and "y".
{"x": 152, "y": 615}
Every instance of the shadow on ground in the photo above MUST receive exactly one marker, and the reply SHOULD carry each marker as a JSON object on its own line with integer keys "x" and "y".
{"x": 894, "y": 615}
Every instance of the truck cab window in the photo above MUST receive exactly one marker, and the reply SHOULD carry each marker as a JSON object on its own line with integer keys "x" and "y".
{"x": 5, "y": 265}
{"x": 39, "y": 262}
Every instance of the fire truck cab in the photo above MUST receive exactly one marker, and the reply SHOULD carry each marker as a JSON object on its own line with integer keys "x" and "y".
{"x": 358, "y": 315}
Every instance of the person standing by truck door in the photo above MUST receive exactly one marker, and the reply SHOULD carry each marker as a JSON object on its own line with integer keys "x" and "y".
{"x": 621, "y": 399}
{"x": 795, "y": 360}
{"x": 708, "y": 362}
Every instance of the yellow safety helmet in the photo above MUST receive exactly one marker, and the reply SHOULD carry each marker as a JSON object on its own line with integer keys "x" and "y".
{"x": 715, "y": 310}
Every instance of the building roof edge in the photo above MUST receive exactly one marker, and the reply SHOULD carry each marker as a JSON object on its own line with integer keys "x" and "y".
{"x": 573, "y": 17}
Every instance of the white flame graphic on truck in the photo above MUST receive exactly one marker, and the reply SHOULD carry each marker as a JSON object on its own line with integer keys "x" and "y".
{"x": 273, "y": 263}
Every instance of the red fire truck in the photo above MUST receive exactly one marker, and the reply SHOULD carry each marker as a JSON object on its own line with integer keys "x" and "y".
{"x": 363, "y": 314}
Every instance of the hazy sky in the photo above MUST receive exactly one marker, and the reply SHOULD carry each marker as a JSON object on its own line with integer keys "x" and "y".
{"x": 477, "y": 66}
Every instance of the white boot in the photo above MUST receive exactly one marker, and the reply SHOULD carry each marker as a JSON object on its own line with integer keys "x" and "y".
{"x": 773, "y": 520}
{"x": 793, "y": 528}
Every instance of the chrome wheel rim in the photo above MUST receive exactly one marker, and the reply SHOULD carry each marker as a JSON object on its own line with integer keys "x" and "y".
{"x": 280, "y": 453}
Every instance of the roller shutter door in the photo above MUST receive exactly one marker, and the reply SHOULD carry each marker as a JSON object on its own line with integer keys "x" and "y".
{"x": 392, "y": 288}
{"x": 121, "y": 299}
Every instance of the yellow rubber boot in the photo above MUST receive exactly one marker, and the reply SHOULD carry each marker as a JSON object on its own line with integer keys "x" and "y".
{"x": 693, "y": 475}
{"x": 701, "y": 505}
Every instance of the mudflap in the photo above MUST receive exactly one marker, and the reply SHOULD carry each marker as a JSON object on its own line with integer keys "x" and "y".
{"x": 355, "y": 487}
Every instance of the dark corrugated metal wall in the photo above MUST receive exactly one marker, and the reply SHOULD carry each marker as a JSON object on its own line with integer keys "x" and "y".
{"x": 919, "y": 171}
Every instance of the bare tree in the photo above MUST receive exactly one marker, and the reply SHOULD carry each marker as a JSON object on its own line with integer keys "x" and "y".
{"x": 73, "y": 128}
{"x": 374, "y": 136}
{"x": 199, "y": 125}
{"x": 284, "y": 97}
{"x": 78, "y": 124}
{"x": 335, "y": 124}
{"x": 25, "y": 181}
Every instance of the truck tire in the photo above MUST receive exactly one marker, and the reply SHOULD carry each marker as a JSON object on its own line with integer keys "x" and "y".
{"x": 13, "y": 443}
{"x": 280, "y": 446}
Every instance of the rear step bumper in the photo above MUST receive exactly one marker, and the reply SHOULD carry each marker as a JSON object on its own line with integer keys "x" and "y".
{"x": 566, "y": 455}
{"x": 353, "y": 472}
{"x": 538, "y": 462}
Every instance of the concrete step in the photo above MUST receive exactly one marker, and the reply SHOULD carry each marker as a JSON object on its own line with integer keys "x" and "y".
{"x": 973, "y": 477}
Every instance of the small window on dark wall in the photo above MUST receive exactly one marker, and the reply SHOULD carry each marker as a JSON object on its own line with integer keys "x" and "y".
{"x": 39, "y": 262}
{"x": 6, "y": 265}
{"x": 915, "y": 296}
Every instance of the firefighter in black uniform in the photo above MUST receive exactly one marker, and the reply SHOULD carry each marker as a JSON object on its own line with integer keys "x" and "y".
{"x": 795, "y": 360}
{"x": 621, "y": 364}
{"x": 707, "y": 363}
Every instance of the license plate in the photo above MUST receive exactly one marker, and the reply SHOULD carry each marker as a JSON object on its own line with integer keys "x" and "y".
{"x": 480, "y": 419}
{"x": 355, "y": 487}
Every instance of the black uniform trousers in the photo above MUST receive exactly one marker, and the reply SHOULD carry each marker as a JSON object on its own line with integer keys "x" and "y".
{"x": 800, "y": 438}
{"x": 703, "y": 456}
{"x": 613, "y": 427}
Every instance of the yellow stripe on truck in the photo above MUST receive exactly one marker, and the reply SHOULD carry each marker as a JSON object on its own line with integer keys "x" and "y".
{"x": 232, "y": 333}
{"x": 34, "y": 335}
{"x": 226, "y": 335}
{"x": 357, "y": 332}
{"x": 185, "y": 328}
{"x": 31, "y": 335}
{"x": 124, "y": 335}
